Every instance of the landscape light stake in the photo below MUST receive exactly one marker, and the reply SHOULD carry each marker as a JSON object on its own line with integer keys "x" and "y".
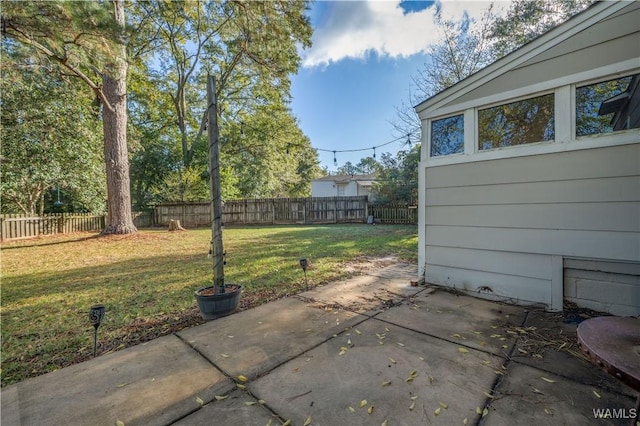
{"x": 303, "y": 265}
{"x": 96, "y": 313}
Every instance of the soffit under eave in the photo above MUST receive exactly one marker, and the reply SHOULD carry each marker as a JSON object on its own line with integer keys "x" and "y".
{"x": 592, "y": 15}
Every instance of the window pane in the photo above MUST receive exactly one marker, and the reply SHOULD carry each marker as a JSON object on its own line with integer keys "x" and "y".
{"x": 517, "y": 123}
{"x": 447, "y": 136}
{"x": 608, "y": 106}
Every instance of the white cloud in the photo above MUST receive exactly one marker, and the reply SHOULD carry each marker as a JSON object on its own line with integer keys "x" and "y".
{"x": 355, "y": 29}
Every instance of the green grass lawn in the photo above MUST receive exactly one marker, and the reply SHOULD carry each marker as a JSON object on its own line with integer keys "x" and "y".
{"x": 147, "y": 281}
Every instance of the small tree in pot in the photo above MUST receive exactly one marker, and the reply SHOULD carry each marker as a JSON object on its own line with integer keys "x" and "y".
{"x": 219, "y": 299}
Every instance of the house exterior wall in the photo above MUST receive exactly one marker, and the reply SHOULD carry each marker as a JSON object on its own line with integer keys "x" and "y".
{"x": 502, "y": 227}
{"x": 543, "y": 221}
{"x": 323, "y": 188}
{"x": 327, "y": 188}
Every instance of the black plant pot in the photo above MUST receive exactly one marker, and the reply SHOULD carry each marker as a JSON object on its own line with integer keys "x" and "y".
{"x": 218, "y": 305}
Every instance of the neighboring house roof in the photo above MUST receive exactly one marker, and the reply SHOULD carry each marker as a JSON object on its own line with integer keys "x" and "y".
{"x": 539, "y": 46}
{"x": 364, "y": 180}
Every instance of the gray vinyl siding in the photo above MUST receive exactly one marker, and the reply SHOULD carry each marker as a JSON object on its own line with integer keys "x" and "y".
{"x": 500, "y": 223}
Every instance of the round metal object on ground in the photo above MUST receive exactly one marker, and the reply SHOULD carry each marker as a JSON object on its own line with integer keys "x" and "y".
{"x": 613, "y": 344}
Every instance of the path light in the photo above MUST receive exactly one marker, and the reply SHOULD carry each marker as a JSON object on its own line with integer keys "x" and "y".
{"x": 96, "y": 313}
{"x": 303, "y": 265}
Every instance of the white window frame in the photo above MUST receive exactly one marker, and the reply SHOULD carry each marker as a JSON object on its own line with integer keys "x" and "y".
{"x": 564, "y": 90}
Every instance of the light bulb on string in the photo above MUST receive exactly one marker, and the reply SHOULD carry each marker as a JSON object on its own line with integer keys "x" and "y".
{"x": 409, "y": 139}
{"x": 374, "y": 152}
{"x": 335, "y": 160}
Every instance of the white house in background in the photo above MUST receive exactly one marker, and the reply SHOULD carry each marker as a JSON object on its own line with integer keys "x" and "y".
{"x": 343, "y": 186}
{"x": 529, "y": 179}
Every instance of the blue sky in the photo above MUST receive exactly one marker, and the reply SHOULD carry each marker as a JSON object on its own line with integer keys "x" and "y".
{"x": 359, "y": 70}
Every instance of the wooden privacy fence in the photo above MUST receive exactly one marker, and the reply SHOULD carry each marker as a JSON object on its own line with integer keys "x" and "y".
{"x": 394, "y": 213}
{"x": 269, "y": 211}
{"x": 265, "y": 211}
{"x": 20, "y": 226}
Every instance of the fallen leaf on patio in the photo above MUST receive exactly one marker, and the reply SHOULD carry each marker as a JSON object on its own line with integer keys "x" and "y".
{"x": 386, "y": 329}
{"x": 221, "y": 397}
{"x": 387, "y": 383}
{"x": 421, "y": 358}
{"x": 349, "y": 342}
{"x": 121, "y": 385}
{"x": 443, "y": 405}
{"x": 478, "y": 410}
{"x": 380, "y": 342}
{"x": 463, "y": 350}
{"x": 242, "y": 378}
{"x": 430, "y": 380}
{"x": 357, "y": 331}
{"x": 496, "y": 335}
{"x": 261, "y": 401}
{"x": 536, "y": 390}
{"x": 488, "y": 395}
{"x": 343, "y": 351}
{"x": 308, "y": 421}
{"x": 486, "y": 362}
{"x": 384, "y": 423}
{"x": 353, "y": 410}
{"x": 363, "y": 403}
{"x": 465, "y": 421}
{"x": 522, "y": 351}
{"x": 239, "y": 386}
{"x": 504, "y": 346}
{"x": 547, "y": 380}
{"x": 477, "y": 332}
{"x": 549, "y": 412}
{"x": 199, "y": 400}
{"x": 224, "y": 355}
{"x": 231, "y": 337}
{"x": 287, "y": 423}
{"x": 498, "y": 372}
{"x": 250, "y": 403}
{"x": 494, "y": 326}
{"x": 597, "y": 394}
{"x": 412, "y": 406}
{"x": 485, "y": 412}
{"x": 437, "y": 411}
{"x": 119, "y": 423}
{"x": 270, "y": 421}
{"x": 393, "y": 361}
{"x": 456, "y": 335}
{"x": 370, "y": 409}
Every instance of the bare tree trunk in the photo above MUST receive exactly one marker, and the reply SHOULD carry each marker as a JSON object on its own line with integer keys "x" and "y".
{"x": 114, "y": 81}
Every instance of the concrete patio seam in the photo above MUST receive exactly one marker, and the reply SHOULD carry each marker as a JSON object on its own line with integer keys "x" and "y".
{"x": 500, "y": 377}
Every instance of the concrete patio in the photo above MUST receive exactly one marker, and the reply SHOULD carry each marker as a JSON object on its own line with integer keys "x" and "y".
{"x": 372, "y": 350}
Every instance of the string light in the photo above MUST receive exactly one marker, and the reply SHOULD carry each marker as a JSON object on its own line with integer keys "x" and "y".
{"x": 334, "y": 151}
